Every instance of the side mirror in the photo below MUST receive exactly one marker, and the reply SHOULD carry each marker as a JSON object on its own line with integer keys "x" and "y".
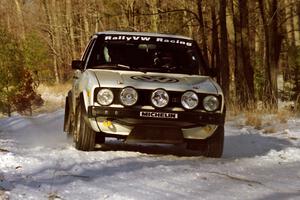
{"x": 77, "y": 64}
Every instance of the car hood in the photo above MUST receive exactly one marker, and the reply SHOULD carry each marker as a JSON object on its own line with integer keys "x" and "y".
{"x": 150, "y": 81}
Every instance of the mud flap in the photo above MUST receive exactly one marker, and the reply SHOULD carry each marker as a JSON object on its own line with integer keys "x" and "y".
{"x": 150, "y": 134}
{"x": 67, "y": 116}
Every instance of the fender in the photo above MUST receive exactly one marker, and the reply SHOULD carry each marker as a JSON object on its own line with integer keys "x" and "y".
{"x": 86, "y": 86}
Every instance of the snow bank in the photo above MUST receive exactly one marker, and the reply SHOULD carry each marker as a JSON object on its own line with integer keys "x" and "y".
{"x": 37, "y": 161}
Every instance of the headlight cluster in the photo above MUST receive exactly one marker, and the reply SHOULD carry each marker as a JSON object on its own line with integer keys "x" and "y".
{"x": 159, "y": 98}
{"x": 128, "y": 96}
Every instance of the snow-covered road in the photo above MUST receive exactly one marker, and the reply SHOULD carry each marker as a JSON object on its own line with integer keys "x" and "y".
{"x": 37, "y": 161}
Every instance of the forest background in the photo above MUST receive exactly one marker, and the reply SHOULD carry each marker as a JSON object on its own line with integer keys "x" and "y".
{"x": 253, "y": 44}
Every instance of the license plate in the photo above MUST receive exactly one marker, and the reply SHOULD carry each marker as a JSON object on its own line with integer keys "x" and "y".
{"x": 161, "y": 115}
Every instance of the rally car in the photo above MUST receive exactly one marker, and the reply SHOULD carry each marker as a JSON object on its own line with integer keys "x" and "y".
{"x": 145, "y": 87}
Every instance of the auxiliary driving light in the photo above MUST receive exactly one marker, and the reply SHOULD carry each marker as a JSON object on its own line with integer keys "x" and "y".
{"x": 105, "y": 97}
{"x": 128, "y": 96}
{"x": 189, "y": 100}
{"x": 210, "y": 103}
{"x": 160, "y": 98}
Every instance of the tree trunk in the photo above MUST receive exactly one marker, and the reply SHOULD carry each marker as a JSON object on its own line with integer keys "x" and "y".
{"x": 52, "y": 38}
{"x": 84, "y": 16}
{"x": 292, "y": 25}
{"x": 8, "y": 100}
{"x": 202, "y": 32}
{"x": 20, "y": 19}
{"x": 186, "y": 4}
{"x": 224, "y": 62}
{"x": 128, "y": 9}
{"x": 298, "y": 18}
{"x": 246, "y": 55}
{"x": 273, "y": 46}
{"x": 244, "y": 74}
{"x": 154, "y": 18}
{"x": 55, "y": 8}
{"x": 297, "y": 73}
{"x": 215, "y": 58}
{"x": 70, "y": 28}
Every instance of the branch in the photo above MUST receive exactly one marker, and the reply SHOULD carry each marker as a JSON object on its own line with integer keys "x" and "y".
{"x": 159, "y": 13}
{"x": 172, "y": 11}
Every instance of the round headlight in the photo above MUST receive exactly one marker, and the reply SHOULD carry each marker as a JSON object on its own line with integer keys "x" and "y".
{"x": 189, "y": 100}
{"x": 128, "y": 96}
{"x": 210, "y": 103}
{"x": 105, "y": 97}
{"x": 160, "y": 98}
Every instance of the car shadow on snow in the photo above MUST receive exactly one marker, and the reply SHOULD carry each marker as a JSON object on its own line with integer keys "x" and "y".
{"x": 282, "y": 195}
{"x": 235, "y": 146}
{"x": 151, "y": 149}
{"x": 251, "y": 145}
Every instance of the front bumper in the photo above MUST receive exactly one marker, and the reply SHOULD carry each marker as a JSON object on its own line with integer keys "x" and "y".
{"x": 132, "y": 117}
{"x": 123, "y": 121}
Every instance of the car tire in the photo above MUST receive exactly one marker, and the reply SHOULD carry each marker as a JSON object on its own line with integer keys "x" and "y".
{"x": 67, "y": 116}
{"x": 210, "y": 147}
{"x": 84, "y": 136}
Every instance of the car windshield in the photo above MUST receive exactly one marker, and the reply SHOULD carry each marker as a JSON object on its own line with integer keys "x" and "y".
{"x": 146, "y": 57}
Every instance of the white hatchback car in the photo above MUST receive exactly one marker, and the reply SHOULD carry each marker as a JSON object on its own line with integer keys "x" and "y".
{"x": 145, "y": 87}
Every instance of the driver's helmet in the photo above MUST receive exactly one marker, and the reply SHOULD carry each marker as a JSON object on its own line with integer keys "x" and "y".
{"x": 166, "y": 58}
{"x": 106, "y": 55}
{"x": 163, "y": 58}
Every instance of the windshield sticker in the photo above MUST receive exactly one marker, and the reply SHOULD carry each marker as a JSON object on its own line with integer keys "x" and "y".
{"x": 158, "y": 79}
{"x": 174, "y": 41}
{"x": 147, "y": 39}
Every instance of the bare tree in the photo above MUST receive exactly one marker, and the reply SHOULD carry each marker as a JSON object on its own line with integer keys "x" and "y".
{"x": 51, "y": 32}
{"x": 273, "y": 40}
{"x": 244, "y": 73}
{"x": 224, "y": 59}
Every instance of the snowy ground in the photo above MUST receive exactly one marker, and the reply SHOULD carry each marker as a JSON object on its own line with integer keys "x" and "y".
{"x": 38, "y": 162}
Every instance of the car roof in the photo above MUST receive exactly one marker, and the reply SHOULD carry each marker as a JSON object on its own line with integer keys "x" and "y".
{"x": 142, "y": 34}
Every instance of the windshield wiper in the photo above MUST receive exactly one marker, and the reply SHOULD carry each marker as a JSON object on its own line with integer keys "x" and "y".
{"x": 119, "y": 66}
{"x": 124, "y": 66}
{"x": 130, "y": 67}
{"x": 112, "y": 66}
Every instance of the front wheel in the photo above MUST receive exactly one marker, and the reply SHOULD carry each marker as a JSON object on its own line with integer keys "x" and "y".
{"x": 84, "y": 135}
{"x": 210, "y": 147}
{"x": 68, "y": 119}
